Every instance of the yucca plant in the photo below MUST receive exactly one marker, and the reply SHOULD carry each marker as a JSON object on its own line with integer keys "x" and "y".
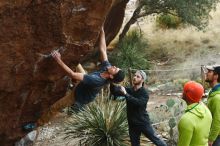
{"x": 101, "y": 123}
{"x": 130, "y": 52}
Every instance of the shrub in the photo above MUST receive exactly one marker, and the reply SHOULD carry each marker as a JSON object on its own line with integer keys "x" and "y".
{"x": 159, "y": 54}
{"x": 168, "y": 21}
{"x": 99, "y": 124}
{"x": 130, "y": 52}
{"x": 169, "y": 113}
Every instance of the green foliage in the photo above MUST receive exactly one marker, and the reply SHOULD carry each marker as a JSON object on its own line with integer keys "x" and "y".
{"x": 178, "y": 107}
{"x": 130, "y": 52}
{"x": 170, "y": 113}
{"x": 172, "y": 123}
{"x": 168, "y": 21}
{"x": 174, "y": 108}
{"x": 99, "y": 124}
{"x": 170, "y": 103}
{"x": 159, "y": 114}
{"x": 194, "y": 12}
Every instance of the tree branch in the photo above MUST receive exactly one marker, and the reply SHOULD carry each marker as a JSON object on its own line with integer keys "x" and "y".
{"x": 132, "y": 20}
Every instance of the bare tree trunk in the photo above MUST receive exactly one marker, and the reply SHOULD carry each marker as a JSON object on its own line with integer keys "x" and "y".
{"x": 132, "y": 20}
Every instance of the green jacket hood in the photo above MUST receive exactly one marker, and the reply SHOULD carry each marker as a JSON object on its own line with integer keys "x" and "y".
{"x": 214, "y": 93}
{"x": 198, "y": 110}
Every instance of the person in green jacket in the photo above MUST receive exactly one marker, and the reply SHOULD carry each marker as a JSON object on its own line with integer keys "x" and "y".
{"x": 213, "y": 103}
{"x": 194, "y": 125}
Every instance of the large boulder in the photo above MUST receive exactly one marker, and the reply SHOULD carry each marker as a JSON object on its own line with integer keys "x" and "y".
{"x": 30, "y": 80}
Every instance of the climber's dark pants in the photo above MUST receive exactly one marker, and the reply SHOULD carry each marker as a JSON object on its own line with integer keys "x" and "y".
{"x": 148, "y": 131}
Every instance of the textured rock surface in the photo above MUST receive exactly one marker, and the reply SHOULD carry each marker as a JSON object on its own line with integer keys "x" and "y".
{"x": 29, "y": 30}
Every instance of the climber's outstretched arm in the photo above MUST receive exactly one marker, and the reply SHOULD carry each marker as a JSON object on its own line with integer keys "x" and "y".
{"x": 77, "y": 76}
{"x": 102, "y": 46}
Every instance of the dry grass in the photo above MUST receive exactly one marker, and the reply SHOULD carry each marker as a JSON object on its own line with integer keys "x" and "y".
{"x": 193, "y": 46}
{"x": 187, "y": 47}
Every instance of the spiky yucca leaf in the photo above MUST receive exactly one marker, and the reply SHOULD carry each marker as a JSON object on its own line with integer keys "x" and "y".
{"x": 99, "y": 124}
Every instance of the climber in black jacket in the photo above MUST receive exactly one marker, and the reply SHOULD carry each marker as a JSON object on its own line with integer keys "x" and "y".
{"x": 137, "y": 116}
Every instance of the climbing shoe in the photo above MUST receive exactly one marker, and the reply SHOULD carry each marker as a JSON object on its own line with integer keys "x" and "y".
{"x": 29, "y": 126}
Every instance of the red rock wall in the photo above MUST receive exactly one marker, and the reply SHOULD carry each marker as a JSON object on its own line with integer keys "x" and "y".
{"x": 30, "y": 80}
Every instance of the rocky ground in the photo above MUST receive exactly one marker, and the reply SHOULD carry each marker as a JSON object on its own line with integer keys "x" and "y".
{"x": 51, "y": 134}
